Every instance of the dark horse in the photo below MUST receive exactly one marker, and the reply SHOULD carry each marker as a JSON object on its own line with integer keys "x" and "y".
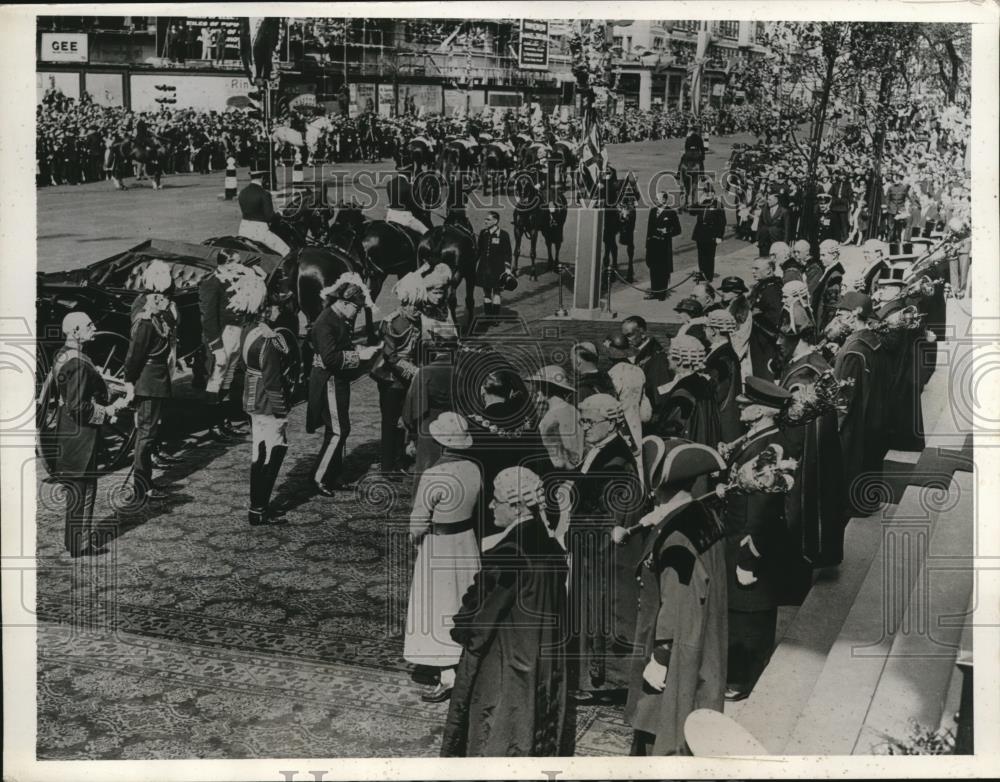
{"x": 420, "y": 153}
{"x": 146, "y": 149}
{"x": 564, "y": 157}
{"x": 690, "y": 172}
{"x": 457, "y": 158}
{"x": 529, "y": 219}
{"x": 497, "y": 164}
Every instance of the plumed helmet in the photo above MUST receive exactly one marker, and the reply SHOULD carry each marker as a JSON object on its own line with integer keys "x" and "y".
{"x": 156, "y": 276}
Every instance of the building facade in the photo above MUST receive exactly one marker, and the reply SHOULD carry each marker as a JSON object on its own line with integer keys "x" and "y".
{"x": 430, "y": 65}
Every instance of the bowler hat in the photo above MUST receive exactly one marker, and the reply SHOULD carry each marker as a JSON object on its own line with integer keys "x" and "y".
{"x": 757, "y": 391}
{"x": 733, "y": 285}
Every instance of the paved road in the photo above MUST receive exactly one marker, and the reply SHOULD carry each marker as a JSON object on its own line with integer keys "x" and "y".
{"x": 78, "y": 225}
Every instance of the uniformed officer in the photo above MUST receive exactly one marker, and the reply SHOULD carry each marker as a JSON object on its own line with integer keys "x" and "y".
{"x": 147, "y": 370}
{"x": 266, "y": 399}
{"x": 765, "y": 306}
{"x": 757, "y": 543}
{"x": 83, "y": 407}
{"x": 336, "y": 362}
{"x": 257, "y": 211}
{"x": 221, "y": 332}
{"x": 663, "y": 226}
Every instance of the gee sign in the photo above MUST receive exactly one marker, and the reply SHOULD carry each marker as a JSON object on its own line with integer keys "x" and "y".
{"x": 64, "y": 47}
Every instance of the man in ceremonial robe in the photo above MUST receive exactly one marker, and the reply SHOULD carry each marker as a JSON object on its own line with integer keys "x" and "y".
{"x": 689, "y": 409}
{"x": 509, "y": 697}
{"x": 608, "y": 501}
{"x": 723, "y": 365}
{"x": 681, "y": 632}
{"x": 765, "y": 309}
{"x": 904, "y": 419}
{"x": 825, "y": 279}
{"x": 862, "y": 435}
{"x": 816, "y": 507}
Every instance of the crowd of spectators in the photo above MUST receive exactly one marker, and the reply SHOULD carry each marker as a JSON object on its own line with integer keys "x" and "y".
{"x": 922, "y": 180}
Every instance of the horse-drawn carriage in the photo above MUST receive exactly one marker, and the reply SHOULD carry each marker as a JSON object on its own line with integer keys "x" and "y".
{"x": 105, "y": 290}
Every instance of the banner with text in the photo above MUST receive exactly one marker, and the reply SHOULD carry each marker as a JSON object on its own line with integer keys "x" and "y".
{"x": 533, "y": 53}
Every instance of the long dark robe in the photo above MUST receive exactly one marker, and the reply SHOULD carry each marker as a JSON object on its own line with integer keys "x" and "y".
{"x": 691, "y": 411}
{"x": 862, "y": 435}
{"x": 593, "y": 383}
{"x": 816, "y": 508}
{"x": 603, "y": 590}
{"x": 765, "y": 304}
{"x": 904, "y": 416}
{"x": 683, "y": 599}
{"x": 515, "y": 443}
{"x": 723, "y": 365}
{"x": 509, "y": 697}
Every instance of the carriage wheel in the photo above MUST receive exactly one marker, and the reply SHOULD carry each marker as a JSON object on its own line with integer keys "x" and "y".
{"x": 107, "y": 351}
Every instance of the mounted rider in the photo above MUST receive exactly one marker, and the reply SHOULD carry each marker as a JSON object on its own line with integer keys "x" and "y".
{"x": 403, "y": 208}
{"x": 257, "y": 212}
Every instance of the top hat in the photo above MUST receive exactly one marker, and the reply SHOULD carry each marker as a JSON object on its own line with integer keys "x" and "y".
{"x": 854, "y": 300}
{"x": 757, "y": 391}
{"x": 901, "y": 250}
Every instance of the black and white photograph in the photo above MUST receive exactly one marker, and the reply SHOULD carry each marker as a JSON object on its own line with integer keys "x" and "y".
{"x": 541, "y": 386}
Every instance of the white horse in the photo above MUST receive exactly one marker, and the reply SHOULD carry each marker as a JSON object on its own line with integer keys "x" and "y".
{"x": 315, "y": 131}
{"x": 285, "y": 136}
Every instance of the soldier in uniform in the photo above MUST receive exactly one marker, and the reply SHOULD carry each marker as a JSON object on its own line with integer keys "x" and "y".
{"x": 83, "y": 407}
{"x": 495, "y": 259}
{"x": 681, "y": 628}
{"x": 757, "y": 544}
{"x": 336, "y": 362}
{"x": 147, "y": 370}
{"x": 765, "y": 306}
{"x": 709, "y": 231}
{"x": 257, "y": 211}
{"x": 663, "y": 226}
{"x": 221, "y": 332}
{"x": 265, "y": 396}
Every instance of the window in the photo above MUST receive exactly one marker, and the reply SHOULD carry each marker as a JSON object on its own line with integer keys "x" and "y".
{"x": 658, "y": 42}
{"x": 617, "y": 41}
{"x": 688, "y": 25}
{"x": 729, "y": 29}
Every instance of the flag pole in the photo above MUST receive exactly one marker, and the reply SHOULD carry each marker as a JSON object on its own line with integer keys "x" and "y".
{"x": 271, "y": 173}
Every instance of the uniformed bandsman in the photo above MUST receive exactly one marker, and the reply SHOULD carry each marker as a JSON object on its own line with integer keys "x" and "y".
{"x": 266, "y": 353}
{"x": 83, "y": 407}
{"x": 336, "y": 362}
{"x": 147, "y": 370}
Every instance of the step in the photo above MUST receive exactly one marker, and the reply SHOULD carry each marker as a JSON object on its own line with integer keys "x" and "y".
{"x": 784, "y": 688}
{"x": 832, "y": 717}
{"x": 914, "y": 684}
{"x": 953, "y": 700}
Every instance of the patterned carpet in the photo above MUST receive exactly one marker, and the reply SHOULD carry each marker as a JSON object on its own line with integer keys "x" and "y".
{"x": 198, "y": 636}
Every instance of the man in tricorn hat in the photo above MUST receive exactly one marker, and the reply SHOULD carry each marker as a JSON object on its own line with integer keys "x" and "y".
{"x": 336, "y": 362}
{"x": 681, "y": 633}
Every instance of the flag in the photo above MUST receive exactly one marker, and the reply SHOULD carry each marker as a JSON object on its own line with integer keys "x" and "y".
{"x": 258, "y": 38}
{"x": 592, "y": 156}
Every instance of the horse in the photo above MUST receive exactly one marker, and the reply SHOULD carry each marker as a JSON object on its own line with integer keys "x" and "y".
{"x": 690, "y": 172}
{"x": 147, "y": 150}
{"x": 529, "y": 219}
{"x": 497, "y": 164}
{"x": 564, "y": 155}
{"x": 457, "y": 157}
{"x": 315, "y": 131}
{"x": 420, "y": 152}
